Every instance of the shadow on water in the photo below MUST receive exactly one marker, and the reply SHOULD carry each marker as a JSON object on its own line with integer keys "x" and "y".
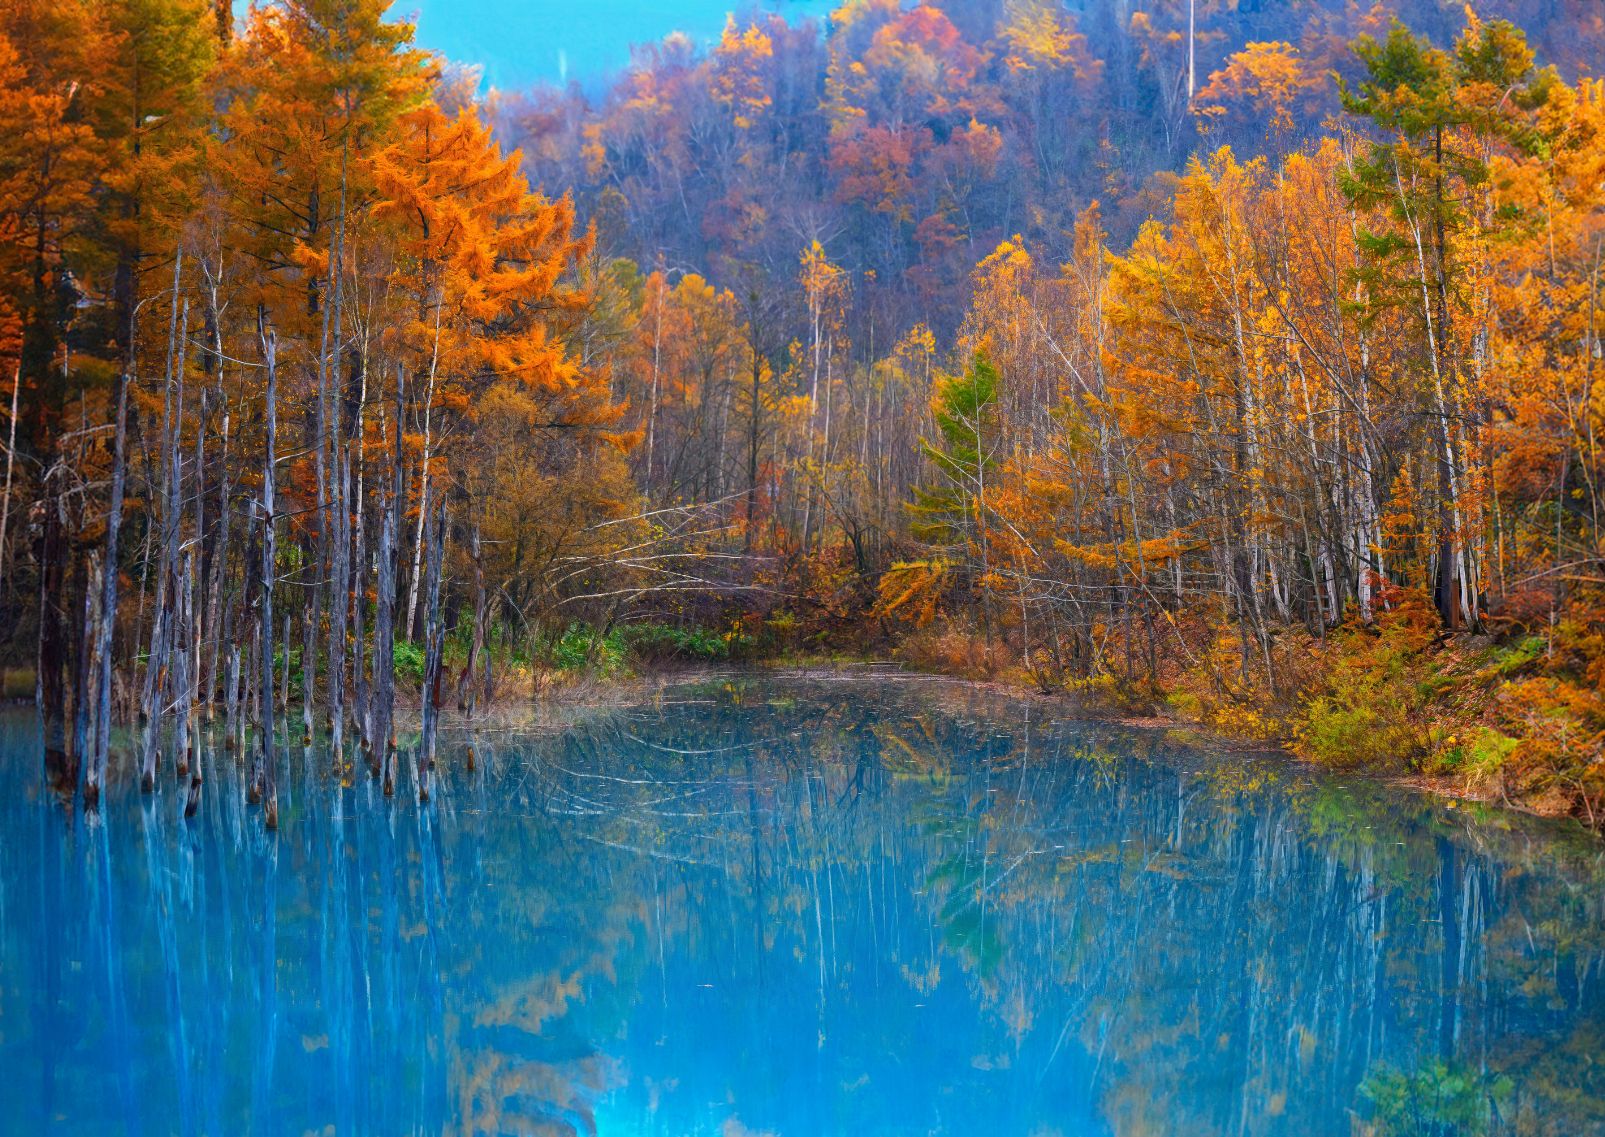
{"x": 798, "y": 907}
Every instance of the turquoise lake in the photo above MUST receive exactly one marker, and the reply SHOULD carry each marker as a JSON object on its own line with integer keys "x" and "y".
{"x": 799, "y": 907}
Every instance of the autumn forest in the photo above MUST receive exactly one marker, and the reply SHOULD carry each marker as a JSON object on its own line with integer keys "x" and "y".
{"x": 1236, "y": 363}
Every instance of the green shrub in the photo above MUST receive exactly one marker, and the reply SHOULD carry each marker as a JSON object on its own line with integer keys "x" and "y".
{"x": 663, "y": 641}
{"x": 1356, "y": 731}
{"x": 780, "y": 631}
{"x": 1511, "y": 658}
{"x": 409, "y": 660}
{"x": 1479, "y": 755}
{"x": 580, "y": 648}
{"x": 1378, "y": 692}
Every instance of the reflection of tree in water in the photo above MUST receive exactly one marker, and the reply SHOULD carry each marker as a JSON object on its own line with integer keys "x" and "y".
{"x": 1219, "y": 949}
{"x": 813, "y": 909}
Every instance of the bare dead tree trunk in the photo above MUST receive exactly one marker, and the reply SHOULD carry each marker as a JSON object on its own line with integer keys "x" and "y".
{"x": 340, "y": 608}
{"x": 754, "y": 429}
{"x": 423, "y": 477}
{"x": 186, "y": 676}
{"x": 435, "y": 643}
{"x": 51, "y": 553}
{"x": 284, "y": 679}
{"x": 152, "y": 710}
{"x": 214, "y": 563}
{"x": 359, "y": 605}
{"x": 309, "y": 664}
{"x": 231, "y": 701}
{"x": 256, "y": 682}
{"x": 95, "y": 778}
{"x": 85, "y": 671}
{"x": 384, "y": 669}
{"x": 219, "y": 563}
{"x": 11, "y": 455}
{"x": 468, "y": 691}
{"x": 193, "y": 585}
{"x": 270, "y": 792}
{"x": 1192, "y": 40}
{"x": 359, "y": 561}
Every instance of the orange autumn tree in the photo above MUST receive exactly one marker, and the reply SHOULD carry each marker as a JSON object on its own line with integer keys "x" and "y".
{"x": 739, "y": 82}
{"x": 1545, "y": 431}
{"x": 1268, "y": 84}
{"x": 52, "y": 60}
{"x": 498, "y": 407}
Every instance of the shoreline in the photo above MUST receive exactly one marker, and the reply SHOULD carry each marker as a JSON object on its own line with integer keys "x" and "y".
{"x": 595, "y": 693}
{"x": 561, "y": 701}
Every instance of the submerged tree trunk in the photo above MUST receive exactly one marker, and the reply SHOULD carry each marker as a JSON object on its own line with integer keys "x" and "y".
{"x": 153, "y": 708}
{"x": 359, "y": 604}
{"x": 384, "y": 674}
{"x": 339, "y": 540}
{"x": 270, "y": 793}
{"x": 339, "y": 609}
{"x": 52, "y": 556}
{"x": 219, "y": 570}
{"x": 231, "y": 702}
{"x": 434, "y": 637}
{"x": 284, "y": 678}
{"x": 361, "y": 713}
{"x": 193, "y": 586}
{"x": 85, "y": 673}
{"x": 95, "y": 778}
{"x": 255, "y": 682}
{"x": 51, "y": 553}
{"x": 185, "y": 677}
{"x": 215, "y": 559}
{"x": 309, "y": 667}
{"x": 5, "y": 495}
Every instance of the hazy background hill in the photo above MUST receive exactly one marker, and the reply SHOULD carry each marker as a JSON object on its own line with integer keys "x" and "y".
{"x": 909, "y": 140}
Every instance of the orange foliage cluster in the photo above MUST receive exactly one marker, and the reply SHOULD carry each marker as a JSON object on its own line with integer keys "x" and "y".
{"x": 188, "y": 206}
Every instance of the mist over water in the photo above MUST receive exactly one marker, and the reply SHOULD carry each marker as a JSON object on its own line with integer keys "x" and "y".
{"x": 796, "y": 907}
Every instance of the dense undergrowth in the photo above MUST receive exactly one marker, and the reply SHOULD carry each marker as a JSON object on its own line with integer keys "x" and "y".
{"x": 576, "y": 651}
{"x": 1517, "y": 718}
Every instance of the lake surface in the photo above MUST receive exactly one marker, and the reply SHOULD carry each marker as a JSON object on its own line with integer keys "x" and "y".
{"x": 800, "y": 908}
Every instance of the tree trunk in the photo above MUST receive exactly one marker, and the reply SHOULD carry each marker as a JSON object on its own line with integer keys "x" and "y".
{"x": 434, "y": 637}
{"x": 384, "y": 668}
{"x": 216, "y": 567}
{"x": 11, "y": 455}
{"x": 468, "y": 690}
{"x": 96, "y": 777}
{"x": 52, "y": 555}
{"x": 153, "y": 708}
{"x": 270, "y": 792}
{"x": 231, "y": 702}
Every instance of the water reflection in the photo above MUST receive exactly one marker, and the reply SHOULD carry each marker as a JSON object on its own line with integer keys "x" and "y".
{"x": 799, "y": 908}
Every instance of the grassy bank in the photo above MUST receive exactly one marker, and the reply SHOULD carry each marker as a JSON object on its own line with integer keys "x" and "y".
{"x": 1465, "y": 717}
{"x": 1517, "y": 719}
{"x": 1513, "y": 720}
